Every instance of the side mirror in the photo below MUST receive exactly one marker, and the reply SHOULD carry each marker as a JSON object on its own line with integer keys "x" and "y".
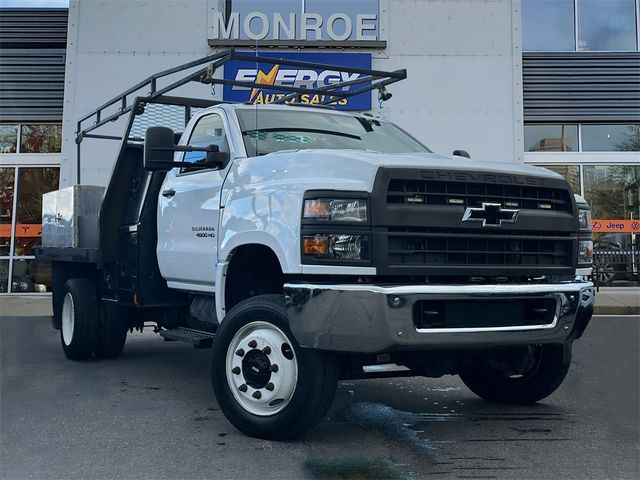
{"x": 159, "y": 148}
{"x": 461, "y": 153}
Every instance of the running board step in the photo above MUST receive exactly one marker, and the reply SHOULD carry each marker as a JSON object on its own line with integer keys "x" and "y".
{"x": 198, "y": 338}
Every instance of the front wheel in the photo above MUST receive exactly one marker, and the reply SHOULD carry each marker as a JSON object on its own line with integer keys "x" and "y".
{"x": 265, "y": 383}
{"x": 541, "y": 369}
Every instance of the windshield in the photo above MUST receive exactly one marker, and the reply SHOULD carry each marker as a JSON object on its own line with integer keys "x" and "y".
{"x": 266, "y": 131}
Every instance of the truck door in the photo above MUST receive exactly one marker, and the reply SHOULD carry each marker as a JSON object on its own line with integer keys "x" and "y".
{"x": 188, "y": 213}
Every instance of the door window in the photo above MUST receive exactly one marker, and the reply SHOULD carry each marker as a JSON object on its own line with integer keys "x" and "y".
{"x": 208, "y": 131}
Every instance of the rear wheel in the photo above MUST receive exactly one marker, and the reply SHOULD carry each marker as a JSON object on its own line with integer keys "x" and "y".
{"x": 112, "y": 330}
{"x": 266, "y": 384}
{"x": 79, "y": 319}
{"x": 541, "y": 369}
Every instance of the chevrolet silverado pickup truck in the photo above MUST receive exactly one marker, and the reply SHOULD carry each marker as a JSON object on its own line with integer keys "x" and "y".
{"x": 305, "y": 245}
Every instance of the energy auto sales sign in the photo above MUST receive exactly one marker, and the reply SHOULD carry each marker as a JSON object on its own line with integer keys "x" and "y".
{"x": 267, "y": 75}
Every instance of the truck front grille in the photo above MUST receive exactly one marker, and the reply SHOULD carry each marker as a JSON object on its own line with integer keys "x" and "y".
{"x": 460, "y": 247}
{"x": 426, "y": 192}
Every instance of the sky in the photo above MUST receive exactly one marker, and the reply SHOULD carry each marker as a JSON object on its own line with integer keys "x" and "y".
{"x": 34, "y": 3}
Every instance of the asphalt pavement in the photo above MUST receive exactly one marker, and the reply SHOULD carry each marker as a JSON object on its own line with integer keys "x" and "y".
{"x": 151, "y": 414}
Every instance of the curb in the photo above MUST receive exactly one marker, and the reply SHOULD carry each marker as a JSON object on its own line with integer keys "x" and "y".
{"x": 617, "y": 310}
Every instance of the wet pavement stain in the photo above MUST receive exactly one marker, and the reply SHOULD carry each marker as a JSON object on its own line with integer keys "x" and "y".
{"x": 201, "y": 419}
{"x": 396, "y": 424}
{"x": 354, "y": 468}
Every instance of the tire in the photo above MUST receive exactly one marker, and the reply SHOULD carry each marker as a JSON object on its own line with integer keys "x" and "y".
{"x": 548, "y": 369}
{"x": 112, "y": 330}
{"x": 604, "y": 273}
{"x": 79, "y": 319}
{"x": 274, "y": 395}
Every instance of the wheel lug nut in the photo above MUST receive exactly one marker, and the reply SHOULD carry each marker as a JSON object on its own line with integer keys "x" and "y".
{"x": 266, "y": 350}
{"x": 274, "y": 368}
{"x": 240, "y": 352}
{"x": 257, "y": 394}
{"x": 270, "y": 386}
{"x": 243, "y": 388}
{"x": 253, "y": 344}
{"x": 236, "y": 370}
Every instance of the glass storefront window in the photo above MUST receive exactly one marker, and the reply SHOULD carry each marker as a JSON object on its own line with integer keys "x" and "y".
{"x": 548, "y": 25}
{"x": 8, "y": 138}
{"x": 32, "y": 183}
{"x": 551, "y": 138}
{"x": 571, "y": 173}
{"x": 613, "y": 191}
{"x": 4, "y": 276}
{"x": 7, "y": 176}
{"x": 610, "y": 138}
{"x": 606, "y": 25}
{"x": 46, "y": 138}
{"x": 31, "y": 276}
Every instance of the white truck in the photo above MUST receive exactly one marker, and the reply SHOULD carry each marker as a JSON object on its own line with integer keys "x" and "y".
{"x": 307, "y": 244}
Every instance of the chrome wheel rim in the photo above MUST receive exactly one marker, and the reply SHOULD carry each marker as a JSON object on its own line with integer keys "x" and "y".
{"x": 261, "y": 368}
{"x": 68, "y": 320}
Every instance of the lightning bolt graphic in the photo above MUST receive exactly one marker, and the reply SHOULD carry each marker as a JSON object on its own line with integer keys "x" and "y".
{"x": 264, "y": 79}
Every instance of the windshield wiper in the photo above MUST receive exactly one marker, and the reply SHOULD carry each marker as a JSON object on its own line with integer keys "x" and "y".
{"x": 302, "y": 130}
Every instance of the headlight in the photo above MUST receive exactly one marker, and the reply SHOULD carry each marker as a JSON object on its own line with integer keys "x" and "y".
{"x": 336, "y": 210}
{"x": 584, "y": 219}
{"x": 585, "y": 252}
{"x": 336, "y": 246}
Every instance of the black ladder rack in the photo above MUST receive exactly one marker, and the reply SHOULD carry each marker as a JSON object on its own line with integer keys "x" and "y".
{"x": 148, "y": 90}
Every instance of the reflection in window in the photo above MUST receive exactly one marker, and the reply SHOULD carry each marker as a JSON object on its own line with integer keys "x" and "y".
{"x": 4, "y": 276}
{"x": 610, "y": 138}
{"x": 31, "y": 276}
{"x": 551, "y": 138}
{"x": 46, "y": 138}
{"x": 7, "y": 176}
{"x": 571, "y": 173}
{"x": 32, "y": 183}
{"x": 8, "y": 138}
{"x": 613, "y": 191}
{"x": 208, "y": 131}
{"x": 606, "y": 25}
{"x": 548, "y": 25}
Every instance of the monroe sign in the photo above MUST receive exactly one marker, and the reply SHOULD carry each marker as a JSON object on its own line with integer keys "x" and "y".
{"x": 325, "y": 21}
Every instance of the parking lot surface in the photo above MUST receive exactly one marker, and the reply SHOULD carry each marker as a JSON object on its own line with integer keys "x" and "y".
{"x": 151, "y": 414}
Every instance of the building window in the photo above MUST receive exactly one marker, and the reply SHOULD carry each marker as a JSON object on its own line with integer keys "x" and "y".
{"x": 606, "y": 25}
{"x": 44, "y": 138}
{"x": 8, "y": 138}
{"x": 31, "y": 138}
{"x": 613, "y": 191}
{"x": 579, "y": 25}
{"x": 571, "y": 173}
{"x": 21, "y": 190}
{"x": 610, "y": 138}
{"x": 548, "y": 25}
{"x": 551, "y": 138}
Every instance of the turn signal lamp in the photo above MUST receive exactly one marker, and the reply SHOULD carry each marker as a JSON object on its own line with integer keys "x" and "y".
{"x": 318, "y": 245}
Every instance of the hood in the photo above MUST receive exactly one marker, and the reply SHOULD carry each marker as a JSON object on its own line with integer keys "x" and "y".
{"x": 356, "y": 169}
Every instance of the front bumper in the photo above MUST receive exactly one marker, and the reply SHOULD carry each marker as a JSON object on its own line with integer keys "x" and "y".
{"x": 375, "y": 318}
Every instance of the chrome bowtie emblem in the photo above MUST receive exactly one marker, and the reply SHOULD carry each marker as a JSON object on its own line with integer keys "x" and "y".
{"x": 491, "y": 215}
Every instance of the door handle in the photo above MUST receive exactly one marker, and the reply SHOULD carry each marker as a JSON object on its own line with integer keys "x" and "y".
{"x": 168, "y": 193}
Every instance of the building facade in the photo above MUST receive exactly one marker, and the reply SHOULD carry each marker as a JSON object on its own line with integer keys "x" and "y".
{"x": 32, "y": 64}
{"x": 546, "y": 82}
